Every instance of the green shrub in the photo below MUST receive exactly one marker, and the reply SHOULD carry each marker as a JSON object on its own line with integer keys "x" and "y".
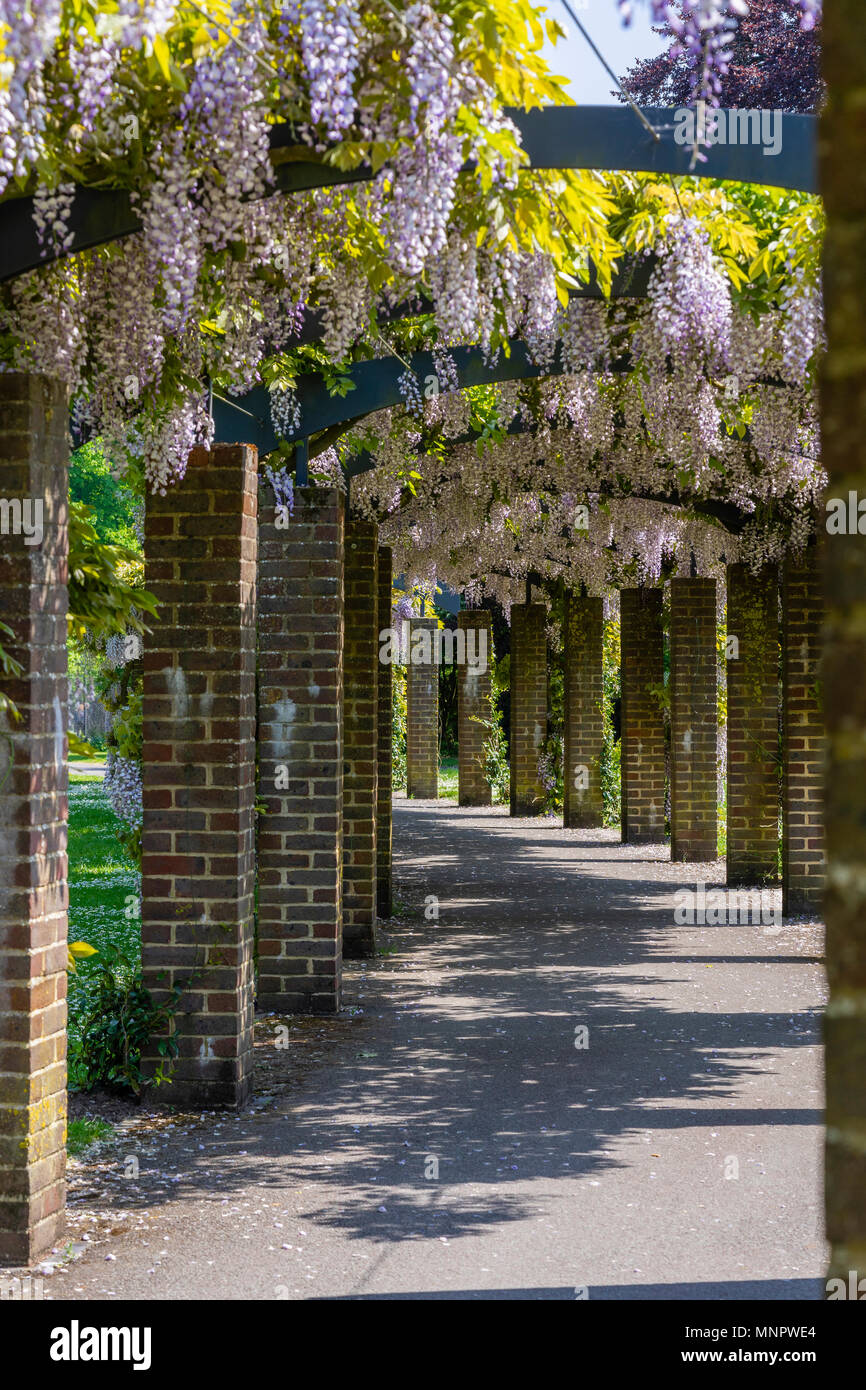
{"x": 116, "y": 1025}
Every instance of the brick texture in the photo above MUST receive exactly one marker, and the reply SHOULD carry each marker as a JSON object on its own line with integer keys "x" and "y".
{"x": 360, "y": 739}
{"x": 643, "y": 731}
{"x": 422, "y": 712}
{"x": 300, "y": 752}
{"x": 385, "y": 713}
{"x": 803, "y": 738}
{"x": 473, "y": 703}
{"x": 33, "y": 820}
{"x": 753, "y": 726}
{"x": 583, "y": 711}
{"x": 528, "y": 705}
{"x": 694, "y": 721}
{"x": 199, "y": 771}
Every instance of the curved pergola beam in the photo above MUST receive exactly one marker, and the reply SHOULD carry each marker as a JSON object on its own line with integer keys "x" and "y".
{"x": 602, "y": 138}
{"x": 375, "y": 386}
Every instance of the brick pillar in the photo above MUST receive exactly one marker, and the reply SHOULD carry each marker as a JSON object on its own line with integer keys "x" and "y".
{"x": 643, "y": 730}
{"x": 473, "y": 703}
{"x": 753, "y": 726}
{"x": 385, "y": 712}
{"x": 360, "y": 739}
{"x": 803, "y": 738}
{"x": 694, "y": 721}
{"x": 34, "y": 418}
{"x": 843, "y": 427}
{"x": 583, "y": 708}
{"x": 422, "y": 710}
{"x": 300, "y": 733}
{"x": 199, "y": 771}
{"x": 528, "y": 705}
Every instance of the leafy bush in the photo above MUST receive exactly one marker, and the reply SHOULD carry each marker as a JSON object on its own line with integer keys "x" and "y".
{"x": 551, "y": 774}
{"x": 496, "y": 767}
{"x": 118, "y": 1022}
{"x": 398, "y": 727}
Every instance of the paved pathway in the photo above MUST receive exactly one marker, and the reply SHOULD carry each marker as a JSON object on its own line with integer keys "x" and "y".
{"x": 677, "y": 1155}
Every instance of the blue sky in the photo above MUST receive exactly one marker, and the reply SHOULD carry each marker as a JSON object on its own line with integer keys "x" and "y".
{"x": 572, "y": 57}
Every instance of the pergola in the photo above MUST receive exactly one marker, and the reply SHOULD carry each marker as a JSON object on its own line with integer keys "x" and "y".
{"x": 304, "y": 604}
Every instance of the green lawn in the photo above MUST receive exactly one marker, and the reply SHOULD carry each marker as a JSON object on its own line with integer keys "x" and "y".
{"x": 101, "y": 879}
{"x": 448, "y": 777}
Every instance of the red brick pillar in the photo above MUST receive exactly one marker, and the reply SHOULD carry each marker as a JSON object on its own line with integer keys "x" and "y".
{"x": 473, "y": 703}
{"x": 643, "y": 730}
{"x": 300, "y": 737}
{"x": 385, "y": 712}
{"x": 803, "y": 738}
{"x": 199, "y": 771}
{"x": 753, "y": 725}
{"x": 583, "y": 703}
{"x": 360, "y": 739}
{"x": 528, "y": 705}
{"x": 422, "y": 710}
{"x": 34, "y": 418}
{"x": 694, "y": 721}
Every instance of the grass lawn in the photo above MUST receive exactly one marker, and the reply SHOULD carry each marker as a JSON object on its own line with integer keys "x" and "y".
{"x": 101, "y": 879}
{"x": 448, "y": 777}
{"x": 80, "y": 1134}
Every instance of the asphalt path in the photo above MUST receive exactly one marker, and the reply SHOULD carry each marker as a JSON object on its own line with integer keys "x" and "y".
{"x": 548, "y": 1091}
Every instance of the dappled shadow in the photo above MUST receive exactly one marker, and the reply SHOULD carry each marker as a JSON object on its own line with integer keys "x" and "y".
{"x": 451, "y": 1096}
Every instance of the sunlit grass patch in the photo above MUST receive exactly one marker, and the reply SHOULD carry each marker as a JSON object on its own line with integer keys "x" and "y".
{"x": 80, "y": 1134}
{"x": 103, "y": 889}
{"x": 448, "y": 777}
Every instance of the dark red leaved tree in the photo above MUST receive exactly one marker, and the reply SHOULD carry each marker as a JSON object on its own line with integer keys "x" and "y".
{"x": 775, "y": 65}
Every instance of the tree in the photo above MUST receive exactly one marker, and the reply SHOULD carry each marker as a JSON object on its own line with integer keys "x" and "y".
{"x": 113, "y": 505}
{"x": 775, "y": 65}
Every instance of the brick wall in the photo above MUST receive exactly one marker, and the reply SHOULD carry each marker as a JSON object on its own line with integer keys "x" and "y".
{"x": 643, "y": 732}
{"x": 694, "y": 720}
{"x": 360, "y": 738}
{"x": 528, "y": 705}
{"x": 300, "y": 717}
{"x": 199, "y": 770}
{"x": 385, "y": 712}
{"x": 422, "y": 711}
{"x": 753, "y": 726}
{"x": 803, "y": 738}
{"x": 473, "y": 703}
{"x": 583, "y": 710}
{"x": 33, "y": 817}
